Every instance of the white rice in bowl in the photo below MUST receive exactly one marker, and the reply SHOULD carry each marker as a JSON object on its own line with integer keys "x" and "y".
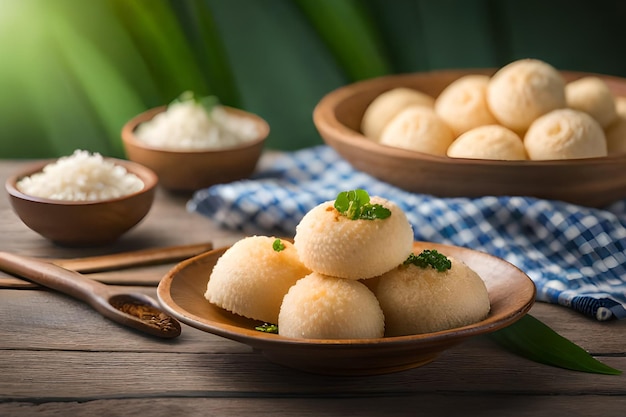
{"x": 187, "y": 125}
{"x": 81, "y": 177}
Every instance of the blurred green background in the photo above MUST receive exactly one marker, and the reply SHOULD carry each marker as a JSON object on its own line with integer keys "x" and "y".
{"x": 72, "y": 72}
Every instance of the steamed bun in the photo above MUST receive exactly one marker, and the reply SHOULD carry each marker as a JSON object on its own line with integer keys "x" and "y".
{"x": 323, "y": 307}
{"x": 251, "y": 278}
{"x": 387, "y": 105}
{"x": 463, "y": 104}
{"x": 616, "y": 131}
{"x": 565, "y": 134}
{"x": 524, "y": 90}
{"x": 333, "y": 244}
{"x": 418, "y": 300}
{"x": 593, "y": 96}
{"x": 418, "y": 129}
{"x": 488, "y": 142}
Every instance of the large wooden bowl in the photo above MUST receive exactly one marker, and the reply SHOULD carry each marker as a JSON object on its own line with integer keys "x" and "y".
{"x": 591, "y": 182}
{"x": 511, "y": 294}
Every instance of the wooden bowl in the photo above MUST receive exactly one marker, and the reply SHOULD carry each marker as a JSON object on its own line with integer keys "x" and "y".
{"x": 190, "y": 170}
{"x": 591, "y": 182}
{"x": 511, "y": 293}
{"x": 83, "y": 223}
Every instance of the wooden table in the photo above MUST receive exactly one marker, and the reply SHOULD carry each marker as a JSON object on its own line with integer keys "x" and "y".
{"x": 58, "y": 357}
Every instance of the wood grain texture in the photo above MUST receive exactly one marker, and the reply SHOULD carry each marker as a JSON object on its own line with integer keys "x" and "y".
{"x": 59, "y": 357}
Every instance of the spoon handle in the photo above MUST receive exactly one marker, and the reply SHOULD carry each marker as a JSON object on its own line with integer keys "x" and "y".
{"x": 52, "y": 276}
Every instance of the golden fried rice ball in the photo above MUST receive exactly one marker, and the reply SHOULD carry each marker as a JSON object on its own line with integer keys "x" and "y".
{"x": 463, "y": 104}
{"x": 332, "y": 244}
{"x": 616, "y": 131}
{"x": 593, "y": 96}
{"x": 565, "y": 134}
{"x": 524, "y": 90}
{"x": 488, "y": 142}
{"x": 387, "y": 105}
{"x": 418, "y": 129}
{"x": 423, "y": 300}
{"x": 323, "y": 307}
{"x": 251, "y": 278}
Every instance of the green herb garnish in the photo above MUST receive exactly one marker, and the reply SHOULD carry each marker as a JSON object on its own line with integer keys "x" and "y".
{"x": 208, "y": 102}
{"x": 430, "y": 258}
{"x": 278, "y": 245}
{"x": 267, "y": 328}
{"x": 355, "y": 205}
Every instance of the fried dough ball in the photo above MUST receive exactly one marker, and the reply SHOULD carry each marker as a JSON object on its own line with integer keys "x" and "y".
{"x": 565, "y": 134}
{"x": 251, "y": 277}
{"x": 616, "y": 131}
{"x": 419, "y": 300}
{"x": 463, "y": 104}
{"x": 593, "y": 96}
{"x": 418, "y": 129}
{"x": 332, "y": 244}
{"x": 323, "y": 307}
{"x": 488, "y": 142}
{"x": 524, "y": 90}
{"x": 387, "y": 105}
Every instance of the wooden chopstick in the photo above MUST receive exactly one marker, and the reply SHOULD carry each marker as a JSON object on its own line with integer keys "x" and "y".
{"x": 142, "y": 257}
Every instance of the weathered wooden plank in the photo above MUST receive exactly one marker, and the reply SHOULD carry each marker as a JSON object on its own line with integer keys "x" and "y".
{"x": 85, "y": 375}
{"x": 442, "y": 404}
{"x": 57, "y": 315}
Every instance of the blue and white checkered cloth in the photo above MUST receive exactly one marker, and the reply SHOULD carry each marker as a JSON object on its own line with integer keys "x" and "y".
{"x": 575, "y": 255}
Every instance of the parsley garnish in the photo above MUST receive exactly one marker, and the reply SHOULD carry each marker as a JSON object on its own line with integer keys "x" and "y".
{"x": 267, "y": 328}
{"x": 355, "y": 205}
{"x": 429, "y": 258}
{"x": 278, "y": 245}
{"x": 207, "y": 102}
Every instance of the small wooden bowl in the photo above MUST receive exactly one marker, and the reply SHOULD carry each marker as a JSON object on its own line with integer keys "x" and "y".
{"x": 190, "y": 170}
{"x": 591, "y": 182}
{"x": 511, "y": 294}
{"x": 83, "y": 223}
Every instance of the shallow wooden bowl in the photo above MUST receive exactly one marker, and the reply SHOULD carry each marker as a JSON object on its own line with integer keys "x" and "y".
{"x": 591, "y": 182}
{"x": 83, "y": 223}
{"x": 187, "y": 171}
{"x": 511, "y": 293}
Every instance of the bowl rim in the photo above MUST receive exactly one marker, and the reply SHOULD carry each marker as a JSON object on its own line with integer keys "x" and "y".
{"x": 147, "y": 176}
{"x": 129, "y": 137}
{"x": 325, "y": 118}
{"x": 265, "y": 340}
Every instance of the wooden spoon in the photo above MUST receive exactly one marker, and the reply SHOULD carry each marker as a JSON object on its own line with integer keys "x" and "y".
{"x": 135, "y": 310}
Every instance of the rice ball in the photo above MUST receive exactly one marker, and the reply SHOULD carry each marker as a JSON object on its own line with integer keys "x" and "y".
{"x": 419, "y": 300}
{"x": 418, "y": 129}
{"x": 616, "y": 132}
{"x": 593, "y": 96}
{"x": 252, "y": 277}
{"x": 323, "y": 307}
{"x": 488, "y": 142}
{"x": 463, "y": 104}
{"x": 565, "y": 134}
{"x": 524, "y": 90}
{"x": 387, "y": 105}
{"x": 332, "y": 244}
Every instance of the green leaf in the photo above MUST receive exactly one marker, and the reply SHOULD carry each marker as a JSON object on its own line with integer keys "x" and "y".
{"x": 350, "y": 35}
{"x": 355, "y": 204}
{"x": 532, "y": 339}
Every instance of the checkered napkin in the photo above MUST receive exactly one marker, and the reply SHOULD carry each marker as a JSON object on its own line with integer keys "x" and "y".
{"x": 575, "y": 255}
